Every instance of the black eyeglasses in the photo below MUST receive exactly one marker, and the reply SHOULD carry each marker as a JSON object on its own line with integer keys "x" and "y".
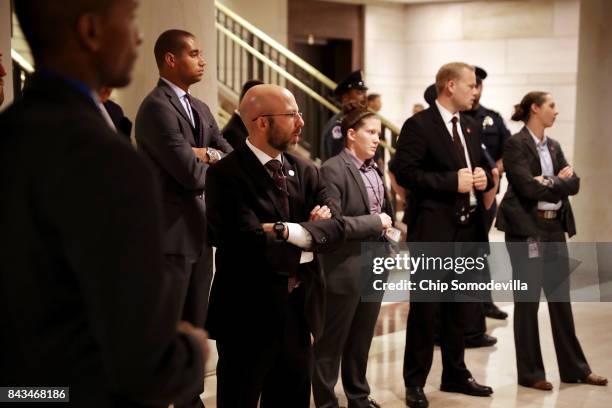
{"x": 294, "y": 115}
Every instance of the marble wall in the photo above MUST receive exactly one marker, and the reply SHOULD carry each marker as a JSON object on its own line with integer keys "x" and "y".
{"x": 524, "y": 46}
{"x": 270, "y": 16}
{"x": 156, "y": 16}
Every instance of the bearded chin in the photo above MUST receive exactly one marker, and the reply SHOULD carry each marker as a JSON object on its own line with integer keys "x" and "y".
{"x": 277, "y": 141}
{"x": 280, "y": 145}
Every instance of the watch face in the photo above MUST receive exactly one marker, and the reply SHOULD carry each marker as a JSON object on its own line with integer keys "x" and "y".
{"x": 213, "y": 155}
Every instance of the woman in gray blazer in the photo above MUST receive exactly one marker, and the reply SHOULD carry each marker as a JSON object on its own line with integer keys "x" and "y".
{"x": 535, "y": 215}
{"x": 356, "y": 185}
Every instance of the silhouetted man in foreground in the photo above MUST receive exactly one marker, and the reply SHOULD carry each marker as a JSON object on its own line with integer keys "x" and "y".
{"x": 83, "y": 300}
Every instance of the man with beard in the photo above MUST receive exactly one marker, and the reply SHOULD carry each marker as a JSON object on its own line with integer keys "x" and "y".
{"x": 268, "y": 216}
{"x": 84, "y": 302}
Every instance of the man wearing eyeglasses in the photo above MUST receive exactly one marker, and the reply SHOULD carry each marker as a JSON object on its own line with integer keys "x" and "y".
{"x": 269, "y": 217}
{"x": 179, "y": 134}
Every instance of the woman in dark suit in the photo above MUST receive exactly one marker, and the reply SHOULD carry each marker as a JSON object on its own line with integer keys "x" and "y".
{"x": 535, "y": 215}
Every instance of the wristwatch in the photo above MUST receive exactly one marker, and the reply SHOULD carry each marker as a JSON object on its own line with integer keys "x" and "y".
{"x": 279, "y": 229}
{"x": 213, "y": 155}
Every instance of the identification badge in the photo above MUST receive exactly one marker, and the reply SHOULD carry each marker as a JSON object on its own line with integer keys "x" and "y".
{"x": 532, "y": 248}
{"x": 393, "y": 234}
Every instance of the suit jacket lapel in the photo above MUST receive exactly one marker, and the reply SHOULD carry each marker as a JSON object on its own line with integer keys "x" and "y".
{"x": 203, "y": 123}
{"x": 174, "y": 100}
{"x": 354, "y": 172}
{"x": 261, "y": 177}
{"x": 530, "y": 143}
{"x": 293, "y": 187}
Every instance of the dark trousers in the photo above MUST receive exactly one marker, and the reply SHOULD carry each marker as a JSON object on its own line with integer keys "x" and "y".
{"x": 549, "y": 272}
{"x": 418, "y": 354}
{"x": 420, "y": 328}
{"x": 193, "y": 278}
{"x": 349, "y": 328}
{"x": 477, "y": 325}
{"x": 272, "y": 366}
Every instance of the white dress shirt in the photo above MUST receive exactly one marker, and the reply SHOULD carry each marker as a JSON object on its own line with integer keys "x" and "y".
{"x": 297, "y": 235}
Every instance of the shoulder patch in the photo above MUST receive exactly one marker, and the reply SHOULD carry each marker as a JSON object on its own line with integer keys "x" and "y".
{"x": 337, "y": 132}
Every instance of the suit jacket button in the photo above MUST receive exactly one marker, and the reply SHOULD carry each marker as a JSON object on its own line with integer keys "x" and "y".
{"x": 324, "y": 240}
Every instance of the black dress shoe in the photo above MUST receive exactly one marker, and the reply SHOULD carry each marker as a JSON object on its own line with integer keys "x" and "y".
{"x": 484, "y": 341}
{"x": 468, "y": 387}
{"x": 495, "y": 312}
{"x": 415, "y": 397}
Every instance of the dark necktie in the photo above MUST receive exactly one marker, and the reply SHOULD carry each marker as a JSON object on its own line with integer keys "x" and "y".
{"x": 196, "y": 121}
{"x": 457, "y": 142}
{"x": 276, "y": 168}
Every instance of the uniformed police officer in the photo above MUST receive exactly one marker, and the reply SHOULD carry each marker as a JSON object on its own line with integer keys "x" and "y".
{"x": 494, "y": 134}
{"x": 350, "y": 89}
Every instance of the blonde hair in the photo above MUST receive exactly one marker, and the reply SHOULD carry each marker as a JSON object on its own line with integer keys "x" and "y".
{"x": 449, "y": 72}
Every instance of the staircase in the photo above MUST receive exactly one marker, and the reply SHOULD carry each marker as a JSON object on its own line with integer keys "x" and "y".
{"x": 244, "y": 52}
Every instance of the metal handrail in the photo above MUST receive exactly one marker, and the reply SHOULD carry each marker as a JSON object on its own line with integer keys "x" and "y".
{"x": 224, "y": 117}
{"x": 275, "y": 58}
{"x": 277, "y": 46}
{"x": 278, "y": 69}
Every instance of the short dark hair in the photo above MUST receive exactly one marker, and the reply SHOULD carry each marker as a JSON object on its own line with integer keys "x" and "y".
{"x": 46, "y": 23}
{"x": 354, "y": 114}
{"x": 170, "y": 41}
{"x": 522, "y": 111}
{"x": 248, "y": 85}
{"x": 373, "y": 96}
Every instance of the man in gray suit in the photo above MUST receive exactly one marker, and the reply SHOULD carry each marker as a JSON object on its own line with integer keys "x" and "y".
{"x": 355, "y": 184}
{"x": 180, "y": 136}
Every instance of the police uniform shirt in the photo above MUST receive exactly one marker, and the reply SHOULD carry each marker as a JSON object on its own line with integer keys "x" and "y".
{"x": 493, "y": 130}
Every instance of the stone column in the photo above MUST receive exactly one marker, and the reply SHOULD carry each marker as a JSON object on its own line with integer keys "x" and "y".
{"x": 157, "y": 16}
{"x": 593, "y": 141}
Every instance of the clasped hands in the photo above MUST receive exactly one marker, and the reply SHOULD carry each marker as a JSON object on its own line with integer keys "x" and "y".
{"x": 467, "y": 180}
